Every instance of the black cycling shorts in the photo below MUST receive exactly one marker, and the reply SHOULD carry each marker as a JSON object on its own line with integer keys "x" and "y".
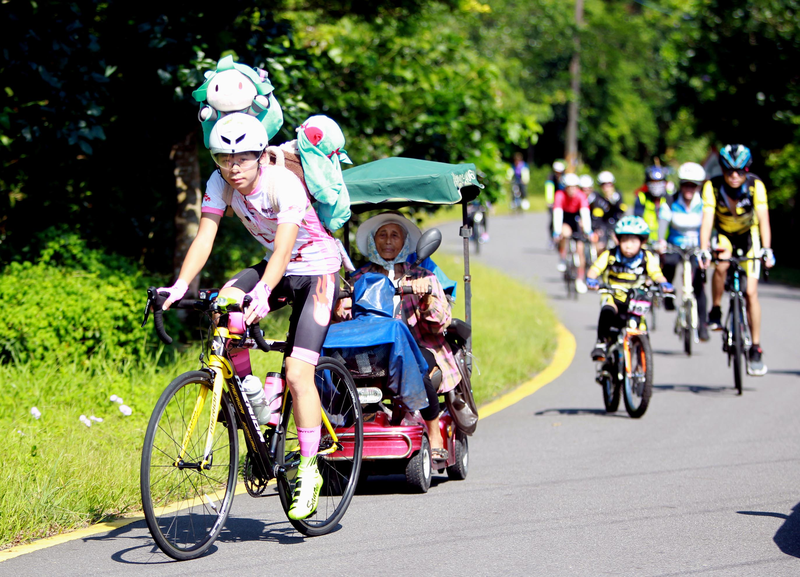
{"x": 312, "y": 299}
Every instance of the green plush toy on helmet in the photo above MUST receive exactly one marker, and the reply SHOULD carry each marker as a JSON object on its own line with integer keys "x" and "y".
{"x": 633, "y": 225}
{"x": 235, "y": 87}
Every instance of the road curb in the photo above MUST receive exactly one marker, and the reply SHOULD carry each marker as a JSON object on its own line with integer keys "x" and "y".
{"x": 565, "y": 352}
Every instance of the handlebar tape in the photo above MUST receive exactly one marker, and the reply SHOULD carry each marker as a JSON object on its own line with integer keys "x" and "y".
{"x": 158, "y": 300}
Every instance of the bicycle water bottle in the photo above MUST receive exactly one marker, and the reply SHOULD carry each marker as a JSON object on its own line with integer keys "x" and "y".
{"x": 251, "y": 385}
{"x": 273, "y": 396}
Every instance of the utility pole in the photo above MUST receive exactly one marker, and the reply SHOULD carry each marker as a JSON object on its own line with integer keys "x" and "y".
{"x": 571, "y": 152}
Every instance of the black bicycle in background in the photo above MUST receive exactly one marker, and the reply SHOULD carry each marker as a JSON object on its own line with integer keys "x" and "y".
{"x": 736, "y": 337}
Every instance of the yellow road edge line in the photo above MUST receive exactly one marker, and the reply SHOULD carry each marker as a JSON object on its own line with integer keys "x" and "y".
{"x": 46, "y": 542}
{"x": 565, "y": 352}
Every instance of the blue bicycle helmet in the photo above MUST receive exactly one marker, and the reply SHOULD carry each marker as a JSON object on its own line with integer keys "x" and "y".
{"x": 735, "y": 157}
{"x": 634, "y": 225}
{"x": 654, "y": 173}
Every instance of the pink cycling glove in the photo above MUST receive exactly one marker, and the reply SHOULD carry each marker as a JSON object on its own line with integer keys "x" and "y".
{"x": 259, "y": 306}
{"x": 176, "y": 293}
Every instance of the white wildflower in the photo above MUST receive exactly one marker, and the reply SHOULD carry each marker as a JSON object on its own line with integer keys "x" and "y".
{"x": 115, "y": 399}
{"x": 36, "y": 413}
{"x": 96, "y": 419}
{"x": 85, "y": 421}
{"x": 126, "y": 410}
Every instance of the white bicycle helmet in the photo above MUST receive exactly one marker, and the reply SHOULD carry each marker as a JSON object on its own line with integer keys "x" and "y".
{"x": 570, "y": 179}
{"x": 691, "y": 172}
{"x": 605, "y": 177}
{"x": 586, "y": 181}
{"x": 559, "y": 166}
{"x": 237, "y": 132}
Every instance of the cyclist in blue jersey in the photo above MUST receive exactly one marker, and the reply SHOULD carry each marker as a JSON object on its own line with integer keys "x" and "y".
{"x": 680, "y": 226}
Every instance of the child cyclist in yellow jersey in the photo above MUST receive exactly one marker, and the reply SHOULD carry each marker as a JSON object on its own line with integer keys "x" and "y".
{"x": 735, "y": 205}
{"x": 301, "y": 266}
{"x": 626, "y": 266}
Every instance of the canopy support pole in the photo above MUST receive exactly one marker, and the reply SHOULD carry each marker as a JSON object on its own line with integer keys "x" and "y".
{"x": 466, "y": 232}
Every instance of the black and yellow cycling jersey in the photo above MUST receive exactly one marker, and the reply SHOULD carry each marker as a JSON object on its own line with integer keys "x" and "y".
{"x": 626, "y": 273}
{"x": 734, "y": 216}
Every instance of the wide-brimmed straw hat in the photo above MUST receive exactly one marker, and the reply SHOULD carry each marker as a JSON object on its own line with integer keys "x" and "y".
{"x": 371, "y": 225}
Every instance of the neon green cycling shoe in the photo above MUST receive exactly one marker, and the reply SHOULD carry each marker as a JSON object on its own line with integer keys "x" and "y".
{"x": 306, "y": 492}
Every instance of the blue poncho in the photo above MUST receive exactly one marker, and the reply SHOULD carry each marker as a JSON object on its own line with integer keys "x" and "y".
{"x": 377, "y": 337}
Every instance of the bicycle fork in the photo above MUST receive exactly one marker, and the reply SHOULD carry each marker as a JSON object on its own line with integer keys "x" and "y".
{"x": 216, "y": 399}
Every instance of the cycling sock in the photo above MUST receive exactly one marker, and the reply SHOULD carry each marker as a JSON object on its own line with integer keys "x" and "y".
{"x": 309, "y": 441}
{"x": 241, "y": 362}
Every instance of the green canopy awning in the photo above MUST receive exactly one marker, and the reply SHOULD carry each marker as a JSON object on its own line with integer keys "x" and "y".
{"x": 399, "y": 181}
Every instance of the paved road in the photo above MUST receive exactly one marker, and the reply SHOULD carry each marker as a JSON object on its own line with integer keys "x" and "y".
{"x": 705, "y": 484}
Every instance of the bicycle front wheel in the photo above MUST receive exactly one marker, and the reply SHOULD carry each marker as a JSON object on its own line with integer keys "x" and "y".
{"x": 186, "y": 503}
{"x": 639, "y": 386}
{"x": 339, "y": 468}
{"x": 737, "y": 345}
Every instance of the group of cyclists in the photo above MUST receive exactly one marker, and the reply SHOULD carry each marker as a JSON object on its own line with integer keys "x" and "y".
{"x": 722, "y": 214}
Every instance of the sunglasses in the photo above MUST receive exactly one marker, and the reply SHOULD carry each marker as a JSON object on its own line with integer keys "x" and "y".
{"x": 741, "y": 171}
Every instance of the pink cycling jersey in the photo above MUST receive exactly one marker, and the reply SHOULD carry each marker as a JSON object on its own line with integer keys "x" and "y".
{"x": 314, "y": 253}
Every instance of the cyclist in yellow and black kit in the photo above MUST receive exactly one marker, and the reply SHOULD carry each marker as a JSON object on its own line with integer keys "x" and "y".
{"x": 626, "y": 266}
{"x": 650, "y": 196}
{"x": 735, "y": 205}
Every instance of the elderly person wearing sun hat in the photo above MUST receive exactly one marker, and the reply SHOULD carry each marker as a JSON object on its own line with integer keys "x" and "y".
{"x": 386, "y": 240}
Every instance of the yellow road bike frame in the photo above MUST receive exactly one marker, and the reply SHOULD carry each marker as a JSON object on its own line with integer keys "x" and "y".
{"x": 222, "y": 370}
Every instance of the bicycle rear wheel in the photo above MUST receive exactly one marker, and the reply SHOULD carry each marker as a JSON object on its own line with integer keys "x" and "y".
{"x": 737, "y": 345}
{"x": 639, "y": 387}
{"x": 339, "y": 470}
{"x": 186, "y": 506}
{"x": 688, "y": 329}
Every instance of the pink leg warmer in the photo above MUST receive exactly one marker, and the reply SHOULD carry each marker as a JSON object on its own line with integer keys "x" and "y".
{"x": 309, "y": 440}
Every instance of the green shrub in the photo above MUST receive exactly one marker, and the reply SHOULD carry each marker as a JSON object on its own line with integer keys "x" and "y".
{"x": 72, "y": 304}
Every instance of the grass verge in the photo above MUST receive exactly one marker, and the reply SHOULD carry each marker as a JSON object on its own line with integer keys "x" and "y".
{"x": 60, "y": 474}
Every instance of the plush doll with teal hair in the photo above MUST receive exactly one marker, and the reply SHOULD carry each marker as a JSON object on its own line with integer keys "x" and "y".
{"x": 234, "y": 87}
{"x": 321, "y": 145}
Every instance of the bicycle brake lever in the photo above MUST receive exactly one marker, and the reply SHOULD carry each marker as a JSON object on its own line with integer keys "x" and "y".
{"x": 151, "y": 298}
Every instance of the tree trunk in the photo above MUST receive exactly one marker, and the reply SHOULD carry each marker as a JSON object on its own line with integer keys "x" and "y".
{"x": 190, "y": 198}
{"x": 571, "y": 153}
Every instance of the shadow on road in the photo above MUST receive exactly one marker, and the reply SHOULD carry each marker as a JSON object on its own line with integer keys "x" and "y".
{"x": 699, "y": 389}
{"x": 140, "y": 549}
{"x": 392, "y": 485}
{"x": 787, "y": 538}
{"x": 598, "y": 412}
{"x": 796, "y": 373}
{"x": 670, "y": 353}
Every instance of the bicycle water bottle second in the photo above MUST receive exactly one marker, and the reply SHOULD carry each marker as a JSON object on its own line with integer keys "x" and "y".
{"x": 273, "y": 395}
